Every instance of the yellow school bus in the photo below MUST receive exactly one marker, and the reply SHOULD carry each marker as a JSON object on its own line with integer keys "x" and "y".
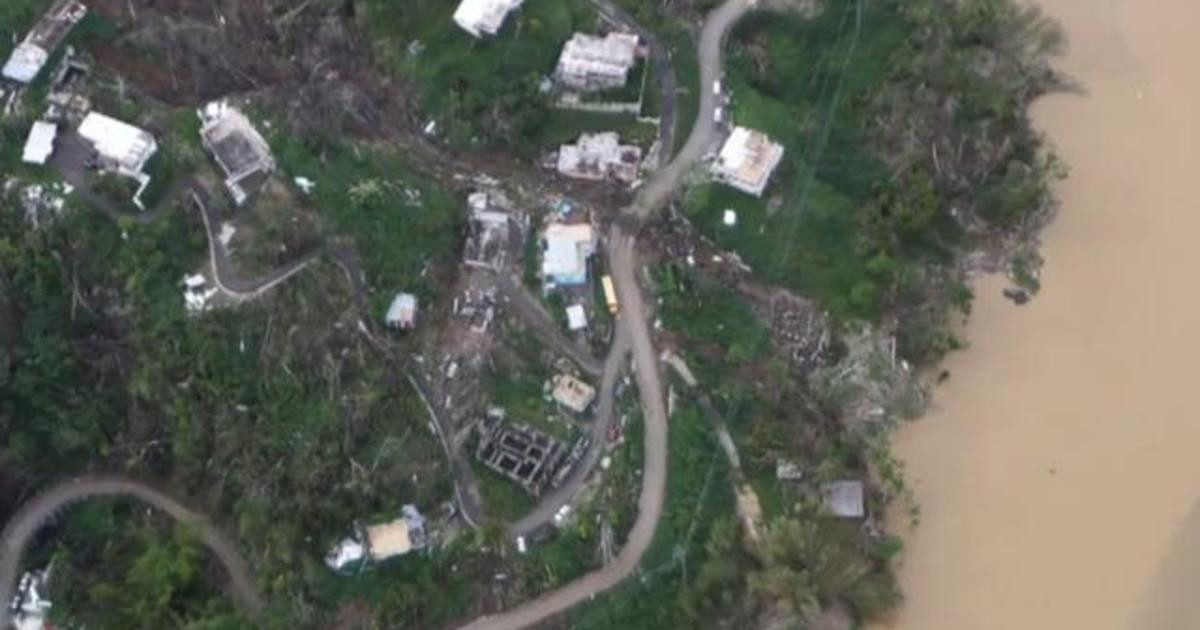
{"x": 610, "y": 295}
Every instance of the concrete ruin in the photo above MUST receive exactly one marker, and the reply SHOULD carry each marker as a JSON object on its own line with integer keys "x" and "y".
{"x": 589, "y": 63}
{"x": 31, "y": 55}
{"x": 241, "y": 152}
{"x": 489, "y": 233}
{"x": 600, "y": 156}
{"x": 521, "y": 454}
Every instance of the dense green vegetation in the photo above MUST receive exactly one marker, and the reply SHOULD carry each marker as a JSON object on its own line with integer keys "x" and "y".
{"x": 864, "y": 215}
{"x": 399, "y": 222}
{"x": 698, "y": 495}
{"x": 283, "y": 427}
{"x": 144, "y": 575}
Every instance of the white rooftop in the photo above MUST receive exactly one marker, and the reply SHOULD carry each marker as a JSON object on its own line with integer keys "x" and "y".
{"x": 747, "y": 160}
{"x": 403, "y": 311}
{"x": 484, "y": 17}
{"x": 25, "y": 62}
{"x": 345, "y": 553}
{"x": 568, "y": 247}
{"x": 588, "y": 61}
{"x": 120, "y": 142}
{"x": 40, "y": 144}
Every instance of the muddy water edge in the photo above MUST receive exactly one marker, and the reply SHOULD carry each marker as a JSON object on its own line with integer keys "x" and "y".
{"x": 1059, "y": 473}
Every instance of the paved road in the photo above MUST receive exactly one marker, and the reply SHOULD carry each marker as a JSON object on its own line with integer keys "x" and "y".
{"x": 705, "y": 133}
{"x": 529, "y": 309}
{"x": 623, "y": 260}
{"x": 40, "y": 509}
{"x": 226, "y": 279}
{"x": 602, "y": 423}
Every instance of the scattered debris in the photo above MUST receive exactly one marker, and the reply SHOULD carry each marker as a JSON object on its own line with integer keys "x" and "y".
{"x": 197, "y": 296}
{"x": 306, "y": 185}
{"x": 786, "y": 470}
{"x": 29, "y": 608}
{"x": 730, "y": 218}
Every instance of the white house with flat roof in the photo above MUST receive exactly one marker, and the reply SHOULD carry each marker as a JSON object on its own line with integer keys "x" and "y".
{"x": 568, "y": 248}
{"x": 120, "y": 146}
{"x": 484, "y": 17}
{"x": 747, "y": 160}
{"x": 591, "y": 63}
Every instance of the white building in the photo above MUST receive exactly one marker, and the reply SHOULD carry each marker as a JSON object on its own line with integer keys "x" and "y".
{"x": 236, "y": 145}
{"x": 576, "y": 317}
{"x": 402, "y": 313}
{"x": 591, "y": 63}
{"x": 380, "y": 542}
{"x": 572, "y": 393}
{"x": 845, "y": 499}
{"x": 28, "y": 58}
{"x": 568, "y": 247}
{"x": 30, "y": 607}
{"x": 40, "y": 143}
{"x": 121, "y": 147}
{"x": 484, "y": 17}
{"x": 747, "y": 160}
{"x": 600, "y": 156}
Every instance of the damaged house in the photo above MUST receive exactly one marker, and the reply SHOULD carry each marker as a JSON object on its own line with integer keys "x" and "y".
{"x": 489, "y": 233}
{"x": 381, "y": 542}
{"x": 241, "y": 152}
{"x": 600, "y": 156}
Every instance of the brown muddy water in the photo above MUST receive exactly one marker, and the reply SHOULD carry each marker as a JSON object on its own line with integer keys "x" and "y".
{"x": 1059, "y": 475}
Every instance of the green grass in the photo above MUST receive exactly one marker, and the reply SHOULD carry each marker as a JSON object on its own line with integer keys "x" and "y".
{"x": 400, "y": 222}
{"x": 481, "y": 90}
{"x": 810, "y": 97}
{"x": 698, "y": 493}
{"x": 502, "y": 499}
{"x": 710, "y": 314}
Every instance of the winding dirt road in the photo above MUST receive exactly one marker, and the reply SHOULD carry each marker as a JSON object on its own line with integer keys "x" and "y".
{"x": 37, "y": 511}
{"x": 634, "y": 320}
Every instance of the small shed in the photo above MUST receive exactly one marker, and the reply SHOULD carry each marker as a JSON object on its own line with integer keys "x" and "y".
{"x": 576, "y": 317}
{"x": 402, "y": 314}
{"x": 40, "y": 143}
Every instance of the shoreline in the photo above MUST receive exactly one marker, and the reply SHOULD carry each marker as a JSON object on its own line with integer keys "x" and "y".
{"x": 1052, "y": 471}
